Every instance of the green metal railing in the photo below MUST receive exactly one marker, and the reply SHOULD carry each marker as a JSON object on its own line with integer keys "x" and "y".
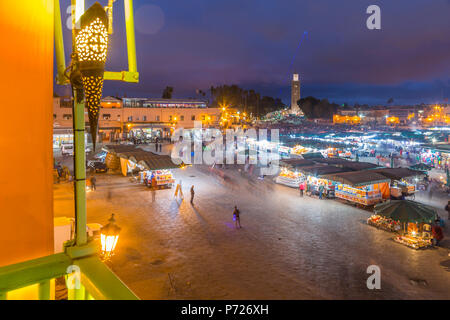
{"x": 97, "y": 281}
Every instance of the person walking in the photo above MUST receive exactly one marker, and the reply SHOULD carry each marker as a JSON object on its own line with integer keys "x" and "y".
{"x": 236, "y": 217}
{"x": 160, "y": 147}
{"x": 192, "y": 195}
{"x": 93, "y": 181}
{"x": 321, "y": 188}
{"x": 302, "y": 188}
{"x": 447, "y": 207}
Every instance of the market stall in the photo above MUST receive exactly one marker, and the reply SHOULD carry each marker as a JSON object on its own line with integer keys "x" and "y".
{"x": 361, "y": 187}
{"x": 436, "y": 155}
{"x": 157, "y": 178}
{"x": 403, "y": 181}
{"x": 313, "y": 176}
{"x": 384, "y": 223}
{"x": 284, "y": 151}
{"x": 299, "y": 150}
{"x": 412, "y": 220}
{"x": 289, "y": 174}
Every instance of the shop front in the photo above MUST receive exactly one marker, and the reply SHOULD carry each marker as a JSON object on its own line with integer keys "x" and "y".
{"x": 361, "y": 187}
{"x": 289, "y": 173}
{"x": 437, "y": 156}
{"x": 404, "y": 181}
{"x": 65, "y": 136}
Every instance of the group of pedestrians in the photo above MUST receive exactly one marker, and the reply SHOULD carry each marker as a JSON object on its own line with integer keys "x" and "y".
{"x": 179, "y": 193}
{"x": 303, "y": 187}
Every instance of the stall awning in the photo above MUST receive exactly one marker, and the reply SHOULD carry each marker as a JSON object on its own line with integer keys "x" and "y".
{"x": 332, "y": 160}
{"x": 347, "y": 164}
{"x": 420, "y": 167}
{"x": 398, "y": 173}
{"x": 312, "y": 155}
{"x": 150, "y": 160}
{"x": 296, "y": 163}
{"x": 406, "y": 211}
{"x": 119, "y": 148}
{"x": 357, "y": 166}
{"x": 158, "y": 162}
{"x": 319, "y": 170}
{"x": 440, "y": 147}
{"x": 357, "y": 178}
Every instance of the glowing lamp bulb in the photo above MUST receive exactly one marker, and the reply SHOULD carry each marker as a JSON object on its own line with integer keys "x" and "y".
{"x": 109, "y": 235}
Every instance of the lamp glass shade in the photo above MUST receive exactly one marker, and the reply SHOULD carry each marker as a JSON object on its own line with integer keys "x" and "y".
{"x": 91, "y": 46}
{"x": 109, "y": 235}
{"x": 109, "y": 243}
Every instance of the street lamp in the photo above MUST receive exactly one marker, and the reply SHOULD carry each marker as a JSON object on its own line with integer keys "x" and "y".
{"x": 91, "y": 47}
{"x": 109, "y": 235}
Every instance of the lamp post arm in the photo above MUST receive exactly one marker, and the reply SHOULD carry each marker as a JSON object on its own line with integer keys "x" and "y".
{"x": 59, "y": 46}
{"x": 131, "y": 44}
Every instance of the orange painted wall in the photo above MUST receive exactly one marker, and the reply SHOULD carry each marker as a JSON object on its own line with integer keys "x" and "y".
{"x": 26, "y": 87}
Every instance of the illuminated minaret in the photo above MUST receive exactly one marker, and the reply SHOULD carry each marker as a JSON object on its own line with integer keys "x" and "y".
{"x": 295, "y": 93}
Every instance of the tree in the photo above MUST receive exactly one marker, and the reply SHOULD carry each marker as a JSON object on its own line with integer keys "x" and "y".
{"x": 315, "y": 108}
{"x": 390, "y": 100}
{"x": 167, "y": 93}
{"x": 248, "y": 101}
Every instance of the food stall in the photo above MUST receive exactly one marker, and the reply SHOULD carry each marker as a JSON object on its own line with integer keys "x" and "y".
{"x": 403, "y": 181}
{"x": 299, "y": 150}
{"x": 157, "y": 178}
{"x": 362, "y": 187}
{"x": 384, "y": 223}
{"x": 313, "y": 177}
{"x": 413, "y": 221}
{"x": 284, "y": 151}
{"x": 437, "y": 155}
{"x": 289, "y": 174}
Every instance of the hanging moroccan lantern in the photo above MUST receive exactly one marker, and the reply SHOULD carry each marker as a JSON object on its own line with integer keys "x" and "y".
{"x": 91, "y": 47}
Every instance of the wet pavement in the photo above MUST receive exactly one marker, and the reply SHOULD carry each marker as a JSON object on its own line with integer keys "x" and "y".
{"x": 288, "y": 248}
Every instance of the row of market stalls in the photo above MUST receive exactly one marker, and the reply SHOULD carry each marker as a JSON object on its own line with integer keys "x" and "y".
{"x": 358, "y": 182}
{"x": 152, "y": 169}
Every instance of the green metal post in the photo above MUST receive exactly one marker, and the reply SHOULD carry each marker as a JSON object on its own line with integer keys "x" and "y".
{"x": 80, "y": 293}
{"x": 44, "y": 290}
{"x": 131, "y": 44}
{"x": 392, "y": 161}
{"x": 79, "y": 162}
{"x": 59, "y": 45}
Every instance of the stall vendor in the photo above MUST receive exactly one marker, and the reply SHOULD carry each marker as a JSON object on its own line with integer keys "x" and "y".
{"x": 438, "y": 235}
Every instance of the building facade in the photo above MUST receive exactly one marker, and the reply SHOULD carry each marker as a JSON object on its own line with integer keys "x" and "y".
{"x": 120, "y": 118}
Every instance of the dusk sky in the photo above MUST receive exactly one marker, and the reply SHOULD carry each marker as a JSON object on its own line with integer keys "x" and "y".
{"x": 193, "y": 44}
